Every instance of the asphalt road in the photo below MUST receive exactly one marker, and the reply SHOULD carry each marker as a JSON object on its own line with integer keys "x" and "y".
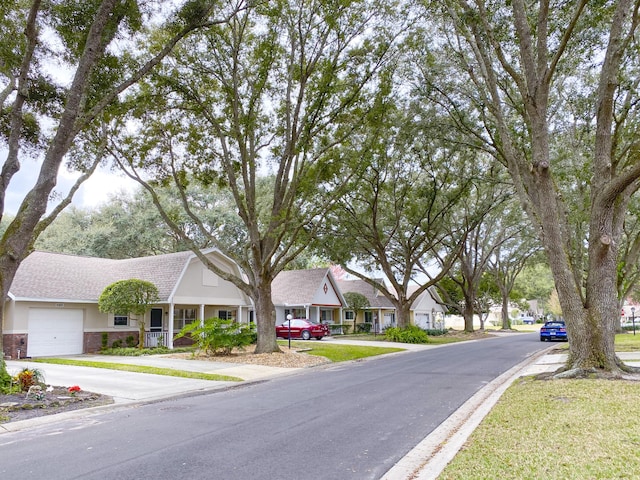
{"x": 347, "y": 421}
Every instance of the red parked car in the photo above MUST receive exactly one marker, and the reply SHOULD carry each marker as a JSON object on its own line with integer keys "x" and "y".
{"x": 302, "y": 328}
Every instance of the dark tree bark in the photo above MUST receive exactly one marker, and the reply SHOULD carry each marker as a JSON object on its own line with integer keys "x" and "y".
{"x": 523, "y": 88}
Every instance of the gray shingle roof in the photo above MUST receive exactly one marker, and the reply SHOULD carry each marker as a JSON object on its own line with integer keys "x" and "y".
{"x": 297, "y": 287}
{"x": 55, "y": 276}
{"x": 375, "y": 297}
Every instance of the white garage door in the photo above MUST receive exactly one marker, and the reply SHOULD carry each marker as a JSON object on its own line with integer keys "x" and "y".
{"x": 54, "y": 332}
{"x": 422, "y": 320}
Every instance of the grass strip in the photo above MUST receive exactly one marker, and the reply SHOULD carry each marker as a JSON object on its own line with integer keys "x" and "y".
{"x": 454, "y": 336}
{"x": 628, "y": 342}
{"x": 556, "y": 429}
{"x": 340, "y": 353}
{"x": 140, "y": 369}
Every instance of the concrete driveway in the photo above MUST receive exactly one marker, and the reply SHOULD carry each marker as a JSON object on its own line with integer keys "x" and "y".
{"x": 126, "y": 387}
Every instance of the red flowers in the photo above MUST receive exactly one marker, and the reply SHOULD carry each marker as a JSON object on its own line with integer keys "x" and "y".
{"x": 74, "y": 389}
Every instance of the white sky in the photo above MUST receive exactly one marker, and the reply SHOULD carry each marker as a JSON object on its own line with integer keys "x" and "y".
{"x": 94, "y": 192}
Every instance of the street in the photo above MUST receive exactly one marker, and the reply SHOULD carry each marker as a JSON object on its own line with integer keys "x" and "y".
{"x": 346, "y": 421}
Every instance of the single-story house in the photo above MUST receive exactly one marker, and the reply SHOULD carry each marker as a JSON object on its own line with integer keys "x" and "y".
{"x": 312, "y": 294}
{"x": 381, "y": 313}
{"x": 52, "y": 306}
{"x": 426, "y": 312}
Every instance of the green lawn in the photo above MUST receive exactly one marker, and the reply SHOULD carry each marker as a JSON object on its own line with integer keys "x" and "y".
{"x": 340, "y": 353}
{"x": 627, "y": 342}
{"x": 558, "y": 429}
{"x": 139, "y": 369}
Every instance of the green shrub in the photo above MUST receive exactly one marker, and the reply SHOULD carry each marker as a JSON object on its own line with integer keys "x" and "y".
{"x": 219, "y": 337}
{"x": 116, "y": 343}
{"x": 105, "y": 340}
{"x": 6, "y": 380}
{"x": 335, "y": 328}
{"x": 130, "y": 341}
{"x": 364, "y": 327}
{"x": 434, "y": 332}
{"x": 410, "y": 334}
{"x": 136, "y": 352}
{"x": 29, "y": 377}
{"x": 629, "y": 328}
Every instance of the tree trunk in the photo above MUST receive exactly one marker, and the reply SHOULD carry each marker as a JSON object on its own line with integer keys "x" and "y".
{"x": 590, "y": 320}
{"x": 8, "y": 268}
{"x": 586, "y": 291}
{"x": 142, "y": 335}
{"x": 403, "y": 315}
{"x": 265, "y": 319}
{"x": 593, "y": 341}
{"x": 3, "y": 365}
{"x": 468, "y": 314}
{"x": 483, "y": 318}
{"x": 506, "y": 321}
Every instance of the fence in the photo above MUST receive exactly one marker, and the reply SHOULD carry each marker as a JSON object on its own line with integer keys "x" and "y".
{"x": 156, "y": 339}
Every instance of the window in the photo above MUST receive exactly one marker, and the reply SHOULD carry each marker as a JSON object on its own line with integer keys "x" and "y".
{"x": 326, "y": 316}
{"x": 120, "y": 320}
{"x": 227, "y": 314}
{"x": 349, "y": 315}
{"x": 182, "y": 317}
{"x": 368, "y": 317}
{"x": 295, "y": 313}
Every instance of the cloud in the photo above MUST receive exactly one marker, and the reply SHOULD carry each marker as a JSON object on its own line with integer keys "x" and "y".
{"x": 97, "y": 190}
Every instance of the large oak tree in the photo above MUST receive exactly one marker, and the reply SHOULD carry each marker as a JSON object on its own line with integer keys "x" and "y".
{"x": 259, "y": 107}
{"x": 519, "y": 70}
{"x": 401, "y": 216}
{"x": 63, "y": 66}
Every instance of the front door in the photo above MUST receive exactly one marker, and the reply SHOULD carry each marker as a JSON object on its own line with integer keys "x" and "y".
{"x": 156, "y": 320}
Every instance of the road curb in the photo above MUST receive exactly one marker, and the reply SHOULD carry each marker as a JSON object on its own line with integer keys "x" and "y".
{"x": 429, "y": 458}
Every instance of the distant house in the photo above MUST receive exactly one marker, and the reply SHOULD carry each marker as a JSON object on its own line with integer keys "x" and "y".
{"x": 52, "y": 307}
{"x": 311, "y": 294}
{"x": 426, "y": 312}
{"x": 380, "y": 314}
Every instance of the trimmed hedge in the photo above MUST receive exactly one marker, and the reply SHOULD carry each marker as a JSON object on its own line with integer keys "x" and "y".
{"x": 432, "y": 332}
{"x": 410, "y": 334}
{"x": 364, "y": 327}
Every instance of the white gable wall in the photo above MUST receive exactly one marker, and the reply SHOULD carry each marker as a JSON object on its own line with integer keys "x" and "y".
{"x": 426, "y": 303}
{"x": 424, "y": 309}
{"x": 326, "y": 295}
{"x": 200, "y": 285}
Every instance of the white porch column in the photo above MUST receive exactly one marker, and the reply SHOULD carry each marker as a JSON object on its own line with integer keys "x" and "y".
{"x": 201, "y": 314}
{"x": 171, "y": 311}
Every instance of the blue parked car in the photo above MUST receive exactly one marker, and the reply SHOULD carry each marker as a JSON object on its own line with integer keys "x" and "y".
{"x": 553, "y": 330}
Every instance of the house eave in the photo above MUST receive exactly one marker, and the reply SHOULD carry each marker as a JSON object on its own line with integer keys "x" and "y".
{"x": 54, "y": 300}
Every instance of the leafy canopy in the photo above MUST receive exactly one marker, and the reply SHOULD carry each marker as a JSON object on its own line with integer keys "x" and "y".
{"x": 128, "y": 296}
{"x": 356, "y": 301}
